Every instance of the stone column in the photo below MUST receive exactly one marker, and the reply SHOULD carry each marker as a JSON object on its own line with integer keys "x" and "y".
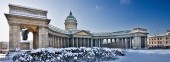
{"x": 121, "y": 42}
{"x": 136, "y": 42}
{"x": 94, "y": 42}
{"x": 146, "y": 42}
{"x": 54, "y": 41}
{"x": 91, "y": 42}
{"x": 36, "y": 40}
{"x": 73, "y": 42}
{"x": 14, "y": 36}
{"x": 102, "y": 42}
{"x": 77, "y": 42}
{"x": 82, "y": 42}
{"x": 111, "y": 40}
{"x": 68, "y": 42}
{"x": 99, "y": 42}
{"x": 130, "y": 42}
{"x": 87, "y": 42}
{"x": 43, "y": 37}
{"x": 106, "y": 41}
{"x": 49, "y": 40}
{"x": 126, "y": 43}
{"x": 58, "y": 41}
{"x": 63, "y": 42}
{"x": 117, "y": 43}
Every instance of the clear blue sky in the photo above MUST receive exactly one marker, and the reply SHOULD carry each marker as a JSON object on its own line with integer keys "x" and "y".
{"x": 99, "y": 15}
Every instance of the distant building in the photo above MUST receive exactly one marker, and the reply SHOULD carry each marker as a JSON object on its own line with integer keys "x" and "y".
{"x": 3, "y": 44}
{"x": 159, "y": 41}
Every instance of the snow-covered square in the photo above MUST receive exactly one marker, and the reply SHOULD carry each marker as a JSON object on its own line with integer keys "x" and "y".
{"x": 89, "y": 55}
{"x": 158, "y": 55}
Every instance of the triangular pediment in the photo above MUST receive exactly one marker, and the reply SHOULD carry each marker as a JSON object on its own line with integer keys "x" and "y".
{"x": 83, "y": 33}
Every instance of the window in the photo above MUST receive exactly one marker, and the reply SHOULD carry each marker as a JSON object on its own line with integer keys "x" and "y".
{"x": 166, "y": 42}
{"x": 166, "y": 38}
{"x": 160, "y": 42}
{"x": 158, "y": 38}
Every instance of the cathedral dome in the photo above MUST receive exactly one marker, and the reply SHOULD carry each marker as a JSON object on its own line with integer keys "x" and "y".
{"x": 70, "y": 17}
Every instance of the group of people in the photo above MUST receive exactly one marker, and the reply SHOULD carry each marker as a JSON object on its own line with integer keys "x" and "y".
{"x": 69, "y": 55}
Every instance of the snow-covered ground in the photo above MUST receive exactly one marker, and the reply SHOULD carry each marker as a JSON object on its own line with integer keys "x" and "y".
{"x": 158, "y": 55}
{"x": 145, "y": 56}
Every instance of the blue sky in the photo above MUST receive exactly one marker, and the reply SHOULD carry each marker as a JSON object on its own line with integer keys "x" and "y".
{"x": 99, "y": 15}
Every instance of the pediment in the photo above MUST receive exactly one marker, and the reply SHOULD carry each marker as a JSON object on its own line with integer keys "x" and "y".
{"x": 83, "y": 33}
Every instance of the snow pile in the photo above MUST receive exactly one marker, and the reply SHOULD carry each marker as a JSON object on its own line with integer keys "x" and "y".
{"x": 70, "y": 55}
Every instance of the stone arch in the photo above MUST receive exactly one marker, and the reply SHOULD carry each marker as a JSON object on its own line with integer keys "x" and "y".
{"x": 37, "y": 25}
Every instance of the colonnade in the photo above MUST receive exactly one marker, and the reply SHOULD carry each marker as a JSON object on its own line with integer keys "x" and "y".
{"x": 62, "y": 42}
{"x": 124, "y": 42}
{"x": 58, "y": 42}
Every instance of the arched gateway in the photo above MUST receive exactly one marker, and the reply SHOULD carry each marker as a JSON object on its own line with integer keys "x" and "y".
{"x": 35, "y": 20}
{"x": 46, "y": 35}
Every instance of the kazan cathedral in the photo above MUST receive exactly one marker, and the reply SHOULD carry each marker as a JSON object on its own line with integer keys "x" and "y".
{"x": 46, "y": 35}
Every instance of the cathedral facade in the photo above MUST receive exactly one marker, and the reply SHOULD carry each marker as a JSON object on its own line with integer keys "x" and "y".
{"x": 46, "y": 35}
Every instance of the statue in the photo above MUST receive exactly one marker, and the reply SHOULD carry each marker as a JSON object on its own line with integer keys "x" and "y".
{"x": 25, "y": 33}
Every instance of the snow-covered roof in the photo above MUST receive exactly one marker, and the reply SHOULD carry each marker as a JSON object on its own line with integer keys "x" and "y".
{"x": 26, "y": 11}
{"x": 51, "y": 27}
{"x": 112, "y": 33}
